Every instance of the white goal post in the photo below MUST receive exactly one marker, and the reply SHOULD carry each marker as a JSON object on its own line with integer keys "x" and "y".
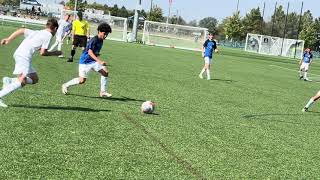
{"x": 275, "y": 46}
{"x": 174, "y": 36}
{"x": 119, "y": 25}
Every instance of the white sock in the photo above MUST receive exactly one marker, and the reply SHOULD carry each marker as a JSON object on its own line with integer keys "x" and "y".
{"x": 305, "y": 75}
{"x": 202, "y": 71}
{"x": 59, "y": 46}
{"x": 72, "y": 82}
{"x": 301, "y": 73}
{"x": 103, "y": 84}
{"x": 29, "y": 80}
{"x": 208, "y": 74}
{"x": 10, "y": 88}
{"x": 311, "y": 101}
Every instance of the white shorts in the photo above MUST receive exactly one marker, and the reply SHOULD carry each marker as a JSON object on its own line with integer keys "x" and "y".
{"x": 84, "y": 69}
{"x": 207, "y": 60}
{"x": 23, "y": 66}
{"x": 305, "y": 66}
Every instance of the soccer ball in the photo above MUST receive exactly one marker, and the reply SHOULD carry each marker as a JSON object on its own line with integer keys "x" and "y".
{"x": 148, "y": 107}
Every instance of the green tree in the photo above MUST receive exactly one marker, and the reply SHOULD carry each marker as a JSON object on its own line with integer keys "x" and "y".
{"x": 156, "y": 14}
{"x": 114, "y": 10}
{"x": 233, "y": 27}
{"x": 292, "y": 25}
{"x": 210, "y": 23}
{"x": 277, "y": 22}
{"x": 81, "y": 5}
{"x": 252, "y": 22}
{"x": 309, "y": 30}
{"x": 177, "y": 20}
{"x": 123, "y": 12}
{"x": 10, "y": 2}
{"x": 193, "y": 23}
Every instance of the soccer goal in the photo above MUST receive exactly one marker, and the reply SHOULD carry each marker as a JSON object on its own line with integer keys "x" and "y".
{"x": 276, "y": 46}
{"x": 174, "y": 36}
{"x": 118, "y": 24}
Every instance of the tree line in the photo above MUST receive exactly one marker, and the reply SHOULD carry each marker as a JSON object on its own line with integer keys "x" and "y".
{"x": 233, "y": 28}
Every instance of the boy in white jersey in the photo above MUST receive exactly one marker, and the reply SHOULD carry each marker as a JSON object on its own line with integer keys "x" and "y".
{"x": 63, "y": 27}
{"x": 34, "y": 40}
{"x": 90, "y": 60}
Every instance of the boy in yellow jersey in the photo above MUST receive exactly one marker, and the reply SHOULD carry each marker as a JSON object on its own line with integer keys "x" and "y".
{"x": 80, "y": 34}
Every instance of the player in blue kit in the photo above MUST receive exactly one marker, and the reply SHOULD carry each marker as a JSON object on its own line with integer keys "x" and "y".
{"x": 90, "y": 60}
{"x": 305, "y": 63}
{"x": 209, "y": 48}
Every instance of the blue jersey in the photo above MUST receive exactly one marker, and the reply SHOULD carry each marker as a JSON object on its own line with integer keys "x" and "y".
{"x": 307, "y": 56}
{"x": 210, "y": 46}
{"x": 95, "y": 44}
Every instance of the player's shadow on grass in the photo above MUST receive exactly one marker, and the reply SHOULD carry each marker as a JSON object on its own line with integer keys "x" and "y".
{"x": 265, "y": 116}
{"x": 121, "y": 99}
{"x": 223, "y": 80}
{"x": 63, "y": 108}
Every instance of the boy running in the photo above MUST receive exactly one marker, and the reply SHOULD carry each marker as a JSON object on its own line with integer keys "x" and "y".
{"x": 311, "y": 101}
{"x": 34, "y": 40}
{"x": 90, "y": 60}
{"x": 209, "y": 47}
{"x": 305, "y": 62}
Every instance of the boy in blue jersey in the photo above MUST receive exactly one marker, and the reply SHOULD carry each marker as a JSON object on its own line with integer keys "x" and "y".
{"x": 305, "y": 63}
{"x": 209, "y": 47}
{"x": 90, "y": 60}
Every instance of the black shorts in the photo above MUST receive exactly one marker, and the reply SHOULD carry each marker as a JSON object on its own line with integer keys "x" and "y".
{"x": 80, "y": 41}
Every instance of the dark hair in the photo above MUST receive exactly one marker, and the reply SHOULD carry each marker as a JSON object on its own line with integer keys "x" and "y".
{"x": 52, "y": 23}
{"x": 104, "y": 27}
{"x": 80, "y": 15}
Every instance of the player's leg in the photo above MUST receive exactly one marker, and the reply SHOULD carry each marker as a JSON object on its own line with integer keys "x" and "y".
{"x": 301, "y": 72}
{"x": 207, "y": 66}
{"x": 60, "y": 43}
{"x": 75, "y": 44}
{"x": 54, "y": 45}
{"x": 306, "y": 69}
{"x": 83, "y": 75}
{"x": 311, "y": 101}
{"x": 104, "y": 82}
{"x": 203, "y": 69}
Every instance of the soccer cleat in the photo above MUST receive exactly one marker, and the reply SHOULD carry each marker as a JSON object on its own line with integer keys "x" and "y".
{"x": 208, "y": 79}
{"x": 64, "y": 89}
{"x": 200, "y": 76}
{"x": 2, "y": 104}
{"x": 301, "y": 77}
{"x": 105, "y": 94}
{"x": 61, "y": 56}
{"x": 305, "y": 109}
{"x": 70, "y": 59}
{"x": 306, "y": 79}
{"x": 5, "y": 82}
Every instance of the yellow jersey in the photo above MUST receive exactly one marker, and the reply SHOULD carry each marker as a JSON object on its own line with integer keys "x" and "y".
{"x": 80, "y": 28}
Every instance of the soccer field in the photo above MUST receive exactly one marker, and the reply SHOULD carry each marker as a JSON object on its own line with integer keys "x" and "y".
{"x": 245, "y": 123}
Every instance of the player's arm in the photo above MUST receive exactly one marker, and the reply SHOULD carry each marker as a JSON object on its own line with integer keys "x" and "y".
{"x": 13, "y": 36}
{"x": 96, "y": 58}
{"x": 215, "y": 47}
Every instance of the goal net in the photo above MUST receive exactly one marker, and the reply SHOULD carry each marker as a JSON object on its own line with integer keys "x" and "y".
{"x": 276, "y": 46}
{"x": 118, "y": 24}
{"x": 174, "y": 36}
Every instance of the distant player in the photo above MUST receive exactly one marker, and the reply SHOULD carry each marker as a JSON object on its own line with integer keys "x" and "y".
{"x": 34, "y": 40}
{"x": 80, "y": 33}
{"x": 311, "y": 101}
{"x": 90, "y": 60}
{"x": 209, "y": 48}
{"x": 60, "y": 35}
{"x": 305, "y": 63}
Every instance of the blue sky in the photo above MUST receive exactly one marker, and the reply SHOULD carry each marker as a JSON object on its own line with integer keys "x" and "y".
{"x": 198, "y": 9}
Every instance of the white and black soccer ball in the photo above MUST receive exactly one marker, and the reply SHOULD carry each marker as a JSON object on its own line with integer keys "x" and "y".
{"x": 148, "y": 107}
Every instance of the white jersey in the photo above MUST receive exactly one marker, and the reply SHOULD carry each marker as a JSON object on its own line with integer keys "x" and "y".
{"x": 62, "y": 27}
{"x": 34, "y": 40}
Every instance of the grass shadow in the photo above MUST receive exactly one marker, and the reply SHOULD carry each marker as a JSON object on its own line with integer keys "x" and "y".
{"x": 121, "y": 99}
{"x": 265, "y": 116}
{"x": 63, "y": 108}
{"x": 223, "y": 80}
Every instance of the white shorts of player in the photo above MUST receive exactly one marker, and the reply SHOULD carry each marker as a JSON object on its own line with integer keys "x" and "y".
{"x": 84, "y": 69}
{"x": 305, "y": 66}
{"x": 207, "y": 60}
{"x": 23, "y": 66}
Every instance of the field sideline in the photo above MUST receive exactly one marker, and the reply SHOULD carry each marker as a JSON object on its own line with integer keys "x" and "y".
{"x": 245, "y": 123}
